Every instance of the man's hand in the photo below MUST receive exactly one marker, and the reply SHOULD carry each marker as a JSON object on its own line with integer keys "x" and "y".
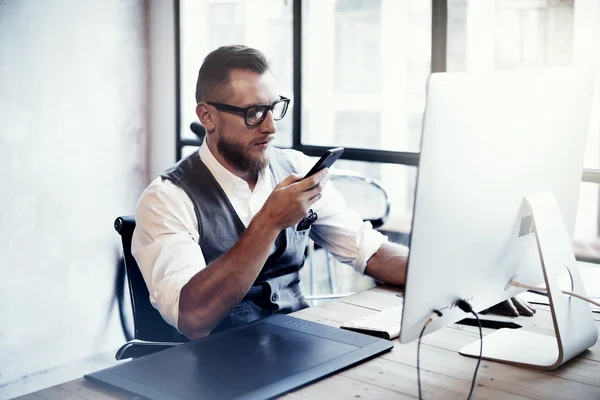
{"x": 291, "y": 199}
{"x": 512, "y": 307}
{"x": 215, "y": 290}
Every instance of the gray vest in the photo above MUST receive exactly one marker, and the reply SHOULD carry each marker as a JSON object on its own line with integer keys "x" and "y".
{"x": 277, "y": 287}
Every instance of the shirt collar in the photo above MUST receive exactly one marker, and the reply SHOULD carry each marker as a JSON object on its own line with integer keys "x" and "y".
{"x": 230, "y": 183}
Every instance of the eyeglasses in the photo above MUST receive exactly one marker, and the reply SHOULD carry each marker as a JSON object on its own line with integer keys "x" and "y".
{"x": 256, "y": 114}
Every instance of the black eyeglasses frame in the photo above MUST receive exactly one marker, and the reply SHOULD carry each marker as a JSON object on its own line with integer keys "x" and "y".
{"x": 244, "y": 110}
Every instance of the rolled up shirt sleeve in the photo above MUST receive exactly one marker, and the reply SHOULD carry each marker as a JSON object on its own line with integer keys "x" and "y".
{"x": 346, "y": 236}
{"x": 165, "y": 245}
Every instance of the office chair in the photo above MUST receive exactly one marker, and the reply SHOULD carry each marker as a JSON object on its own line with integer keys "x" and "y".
{"x": 151, "y": 332}
{"x": 369, "y": 199}
{"x": 364, "y": 195}
{"x": 198, "y": 130}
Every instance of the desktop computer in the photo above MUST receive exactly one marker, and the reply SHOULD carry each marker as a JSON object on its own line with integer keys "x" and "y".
{"x": 496, "y": 202}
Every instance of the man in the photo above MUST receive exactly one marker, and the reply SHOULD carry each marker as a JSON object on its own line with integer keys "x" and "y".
{"x": 218, "y": 238}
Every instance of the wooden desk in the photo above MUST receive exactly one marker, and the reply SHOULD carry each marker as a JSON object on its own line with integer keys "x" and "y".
{"x": 445, "y": 374}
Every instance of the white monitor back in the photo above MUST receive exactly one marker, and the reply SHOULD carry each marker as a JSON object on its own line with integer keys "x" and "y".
{"x": 489, "y": 140}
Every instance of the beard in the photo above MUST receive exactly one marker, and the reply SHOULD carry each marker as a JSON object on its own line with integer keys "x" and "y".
{"x": 235, "y": 154}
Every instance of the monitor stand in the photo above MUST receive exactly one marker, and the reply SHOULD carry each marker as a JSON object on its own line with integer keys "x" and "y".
{"x": 574, "y": 326}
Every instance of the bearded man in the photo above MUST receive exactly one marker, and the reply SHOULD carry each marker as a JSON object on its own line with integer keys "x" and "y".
{"x": 218, "y": 238}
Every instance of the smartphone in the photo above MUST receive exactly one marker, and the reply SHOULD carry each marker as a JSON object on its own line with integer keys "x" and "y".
{"x": 326, "y": 160}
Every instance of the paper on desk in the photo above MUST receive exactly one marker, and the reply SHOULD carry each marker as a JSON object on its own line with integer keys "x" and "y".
{"x": 384, "y": 324}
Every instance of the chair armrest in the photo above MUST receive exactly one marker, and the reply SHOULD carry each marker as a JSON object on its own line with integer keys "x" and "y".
{"x": 137, "y": 348}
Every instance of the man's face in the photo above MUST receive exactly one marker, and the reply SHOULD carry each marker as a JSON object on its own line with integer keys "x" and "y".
{"x": 246, "y": 148}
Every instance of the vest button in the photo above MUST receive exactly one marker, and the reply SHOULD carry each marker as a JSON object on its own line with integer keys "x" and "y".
{"x": 274, "y": 297}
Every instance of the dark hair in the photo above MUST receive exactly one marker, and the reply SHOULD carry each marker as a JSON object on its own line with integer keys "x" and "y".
{"x": 214, "y": 72}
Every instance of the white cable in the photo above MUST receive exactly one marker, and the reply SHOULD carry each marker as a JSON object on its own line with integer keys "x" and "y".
{"x": 522, "y": 285}
{"x": 429, "y": 320}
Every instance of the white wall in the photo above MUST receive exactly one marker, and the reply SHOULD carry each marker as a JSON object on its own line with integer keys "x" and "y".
{"x": 73, "y": 133}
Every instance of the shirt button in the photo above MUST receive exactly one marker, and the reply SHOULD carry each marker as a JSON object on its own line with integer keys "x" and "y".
{"x": 274, "y": 297}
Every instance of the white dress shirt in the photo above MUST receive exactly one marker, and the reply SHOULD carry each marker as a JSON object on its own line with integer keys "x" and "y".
{"x": 165, "y": 241}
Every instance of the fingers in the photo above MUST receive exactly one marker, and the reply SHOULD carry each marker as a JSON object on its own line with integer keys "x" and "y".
{"x": 528, "y": 304}
{"x": 510, "y": 308}
{"x": 293, "y": 178}
{"x": 504, "y": 308}
{"x": 317, "y": 179}
{"x": 303, "y": 200}
{"x": 523, "y": 307}
{"x": 311, "y": 187}
{"x": 315, "y": 198}
{"x": 513, "y": 307}
{"x": 293, "y": 197}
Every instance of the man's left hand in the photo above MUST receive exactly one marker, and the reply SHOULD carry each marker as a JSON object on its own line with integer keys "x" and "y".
{"x": 512, "y": 307}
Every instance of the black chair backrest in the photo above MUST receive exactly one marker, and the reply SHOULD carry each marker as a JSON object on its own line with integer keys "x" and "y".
{"x": 148, "y": 323}
{"x": 198, "y": 130}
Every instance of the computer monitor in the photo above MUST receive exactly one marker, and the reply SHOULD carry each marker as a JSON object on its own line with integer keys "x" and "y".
{"x": 491, "y": 139}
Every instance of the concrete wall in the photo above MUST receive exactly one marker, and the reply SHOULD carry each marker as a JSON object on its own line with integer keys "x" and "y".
{"x": 73, "y": 156}
{"x": 161, "y": 35}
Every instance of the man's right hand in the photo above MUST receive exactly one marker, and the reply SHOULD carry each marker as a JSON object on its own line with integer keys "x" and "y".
{"x": 291, "y": 199}
{"x": 215, "y": 290}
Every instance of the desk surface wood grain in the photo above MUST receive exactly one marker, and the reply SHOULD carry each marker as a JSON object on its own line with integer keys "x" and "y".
{"x": 445, "y": 374}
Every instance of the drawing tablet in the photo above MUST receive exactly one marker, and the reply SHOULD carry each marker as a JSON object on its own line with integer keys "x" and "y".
{"x": 263, "y": 359}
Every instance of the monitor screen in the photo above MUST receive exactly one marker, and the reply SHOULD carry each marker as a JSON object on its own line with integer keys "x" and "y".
{"x": 490, "y": 139}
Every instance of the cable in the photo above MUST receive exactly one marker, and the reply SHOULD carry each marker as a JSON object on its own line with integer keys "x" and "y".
{"x": 466, "y": 307}
{"x": 542, "y": 289}
{"x": 433, "y": 316}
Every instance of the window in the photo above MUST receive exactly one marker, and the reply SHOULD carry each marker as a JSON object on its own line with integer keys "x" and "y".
{"x": 365, "y": 66}
{"x": 356, "y": 70}
{"x": 512, "y": 34}
{"x": 208, "y": 24}
{"x": 509, "y": 34}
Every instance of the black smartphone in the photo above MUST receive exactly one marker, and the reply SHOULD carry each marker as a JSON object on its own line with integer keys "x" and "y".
{"x": 326, "y": 160}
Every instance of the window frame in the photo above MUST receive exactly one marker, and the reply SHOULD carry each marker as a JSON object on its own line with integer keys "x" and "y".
{"x": 438, "y": 54}
{"x": 439, "y": 19}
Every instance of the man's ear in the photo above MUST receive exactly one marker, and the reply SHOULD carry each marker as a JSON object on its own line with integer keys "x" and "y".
{"x": 205, "y": 116}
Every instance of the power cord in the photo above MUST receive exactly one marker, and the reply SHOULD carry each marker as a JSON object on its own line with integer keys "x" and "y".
{"x": 466, "y": 307}
{"x": 429, "y": 320}
{"x": 543, "y": 289}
